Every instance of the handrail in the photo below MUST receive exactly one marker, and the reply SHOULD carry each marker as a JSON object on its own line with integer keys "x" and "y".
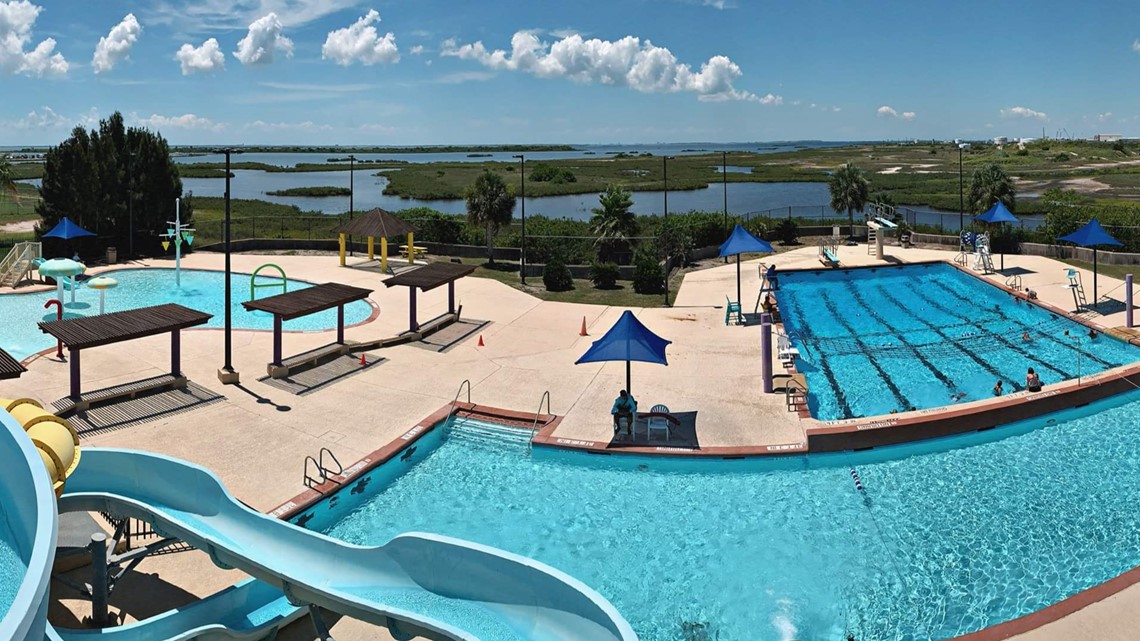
{"x": 1014, "y": 282}
{"x": 321, "y": 461}
{"x": 253, "y": 286}
{"x": 451, "y": 410}
{"x": 791, "y": 386}
{"x": 538, "y": 414}
{"x": 310, "y": 480}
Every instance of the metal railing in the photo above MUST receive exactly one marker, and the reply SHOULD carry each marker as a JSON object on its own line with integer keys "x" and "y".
{"x": 791, "y": 387}
{"x": 466, "y": 383}
{"x": 19, "y": 261}
{"x": 537, "y": 415}
{"x": 324, "y": 472}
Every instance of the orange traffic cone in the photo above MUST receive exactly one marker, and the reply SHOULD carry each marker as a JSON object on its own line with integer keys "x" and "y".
{"x": 583, "y": 332}
{"x": 363, "y": 361}
{"x": 480, "y": 341}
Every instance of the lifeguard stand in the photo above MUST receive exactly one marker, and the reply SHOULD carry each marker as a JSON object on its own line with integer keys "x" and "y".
{"x": 983, "y": 261}
{"x": 1078, "y": 288}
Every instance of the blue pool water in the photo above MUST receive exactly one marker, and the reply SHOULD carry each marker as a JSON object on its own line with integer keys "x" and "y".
{"x": 876, "y": 340}
{"x": 946, "y": 537}
{"x": 201, "y": 290}
{"x": 12, "y": 570}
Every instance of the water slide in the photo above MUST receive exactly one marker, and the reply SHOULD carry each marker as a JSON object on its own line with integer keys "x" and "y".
{"x": 55, "y": 439}
{"x": 415, "y": 585}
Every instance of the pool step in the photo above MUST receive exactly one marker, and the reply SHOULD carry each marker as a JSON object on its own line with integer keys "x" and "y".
{"x": 487, "y": 433}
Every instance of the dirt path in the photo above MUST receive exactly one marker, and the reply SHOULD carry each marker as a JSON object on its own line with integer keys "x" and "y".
{"x": 20, "y": 227}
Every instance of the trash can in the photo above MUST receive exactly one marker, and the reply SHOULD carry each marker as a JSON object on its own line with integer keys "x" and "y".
{"x": 112, "y": 255}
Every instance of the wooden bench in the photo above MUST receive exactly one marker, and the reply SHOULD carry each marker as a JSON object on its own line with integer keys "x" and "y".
{"x": 70, "y": 405}
{"x": 307, "y": 360}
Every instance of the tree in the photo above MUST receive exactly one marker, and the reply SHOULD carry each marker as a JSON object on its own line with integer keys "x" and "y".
{"x": 7, "y": 183}
{"x": 613, "y": 223}
{"x": 990, "y": 184}
{"x": 86, "y": 178}
{"x": 490, "y": 205}
{"x": 849, "y": 189}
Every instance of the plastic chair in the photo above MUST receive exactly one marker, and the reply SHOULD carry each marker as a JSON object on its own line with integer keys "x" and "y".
{"x": 731, "y": 309}
{"x": 657, "y": 422}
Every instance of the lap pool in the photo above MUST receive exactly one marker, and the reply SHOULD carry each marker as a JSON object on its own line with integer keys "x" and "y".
{"x": 878, "y": 340}
{"x": 946, "y": 537}
{"x": 201, "y": 290}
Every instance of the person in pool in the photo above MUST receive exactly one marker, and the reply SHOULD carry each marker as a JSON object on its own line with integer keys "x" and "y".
{"x": 998, "y": 389}
{"x": 957, "y": 396}
{"x": 1032, "y": 381}
{"x": 1025, "y": 336}
{"x": 1092, "y": 333}
{"x": 624, "y": 405}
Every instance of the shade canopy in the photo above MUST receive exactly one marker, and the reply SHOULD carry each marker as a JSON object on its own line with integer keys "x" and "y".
{"x": 741, "y": 241}
{"x": 377, "y": 223}
{"x": 66, "y": 229}
{"x": 1090, "y": 235}
{"x": 628, "y": 340}
{"x": 997, "y": 214}
{"x": 58, "y": 267}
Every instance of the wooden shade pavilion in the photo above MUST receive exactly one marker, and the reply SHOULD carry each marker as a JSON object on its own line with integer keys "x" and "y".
{"x": 381, "y": 224}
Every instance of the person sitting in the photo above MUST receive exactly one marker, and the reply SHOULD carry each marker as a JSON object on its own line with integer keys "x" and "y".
{"x": 1030, "y": 294}
{"x": 998, "y": 389}
{"x": 771, "y": 276}
{"x": 769, "y": 306}
{"x": 624, "y": 405}
{"x": 1032, "y": 381}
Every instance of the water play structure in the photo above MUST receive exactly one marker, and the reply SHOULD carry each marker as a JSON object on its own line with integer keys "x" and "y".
{"x": 415, "y": 585}
{"x": 175, "y": 234}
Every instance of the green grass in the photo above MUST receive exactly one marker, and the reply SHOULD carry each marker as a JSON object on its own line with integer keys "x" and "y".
{"x": 23, "y": 207}
{"x": 312, "y": 192}
{"x": 583, "y": 292}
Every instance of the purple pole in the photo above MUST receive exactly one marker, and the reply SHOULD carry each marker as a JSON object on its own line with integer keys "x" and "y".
{"x": 766, "y": 351}
{"x": 1128, "y": 300}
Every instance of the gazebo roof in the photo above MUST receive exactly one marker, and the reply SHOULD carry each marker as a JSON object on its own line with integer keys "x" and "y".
{"x": 377, "y": 223}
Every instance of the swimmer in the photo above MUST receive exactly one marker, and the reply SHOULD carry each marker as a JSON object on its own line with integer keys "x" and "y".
{"x": 1032, "y": 381}
{"x": 1025, "y": 336}
{"x": 1092, "y": 333}
{"x": 957, "y": 396}
{"x": 998, "y": 389}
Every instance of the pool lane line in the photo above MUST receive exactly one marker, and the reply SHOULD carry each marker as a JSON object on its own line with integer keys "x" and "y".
{"x": 998, "y": 337}
{"x": 945, "y": 380}
{"x": 1027, "y": 327}
{"x": 840, "y": 396}
{"x": 1017, "y": 387}
{"x": 904, "y": 402}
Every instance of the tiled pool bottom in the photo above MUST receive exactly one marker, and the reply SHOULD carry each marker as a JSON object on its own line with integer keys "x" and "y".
{"x": 939, "y": 542}
{"x": 12, "y": 570}
{"x": 881, "y": 340}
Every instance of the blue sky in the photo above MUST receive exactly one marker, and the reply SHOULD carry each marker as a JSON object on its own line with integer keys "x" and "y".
{"x": 408, "y": 72}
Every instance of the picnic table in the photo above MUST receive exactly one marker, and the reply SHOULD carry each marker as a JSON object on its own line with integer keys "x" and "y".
{"x": 420, "y": 251}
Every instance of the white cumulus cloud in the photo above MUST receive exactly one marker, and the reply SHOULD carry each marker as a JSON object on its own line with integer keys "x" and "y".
{"x": 1023, "y": 112}
{"x": 185, "y": 121}
{"x": 361, "y": 43}
{"x": 116, "y": 45}
{"x": 262, "y": 41}
{"x": 628, "y": 62}
{"x": 16, "y": 20}
{"x": 416, "y": 50}
{"x": 1136, "y": 46}
{"x": 206, "y": 58}
{"x": 886, "y": 111}
{"x": 1104, "y": 117}
{"x": 771, "y": 99}
{"x": 45, "y": 118}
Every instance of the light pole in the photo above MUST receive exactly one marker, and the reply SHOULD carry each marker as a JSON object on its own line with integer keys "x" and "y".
{"x": 961, "y": 199}
{"x": 131, "y": 204}
{"x": 665, "y": 241}
{"x": 227, "y": 375}
{"x": 522, "y": 192}
{"x": 724, "y": 179}
{"x": 351, "y": 191}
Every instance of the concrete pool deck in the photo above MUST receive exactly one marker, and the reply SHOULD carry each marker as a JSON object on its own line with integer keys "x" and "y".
{"x": 256, "y": 440}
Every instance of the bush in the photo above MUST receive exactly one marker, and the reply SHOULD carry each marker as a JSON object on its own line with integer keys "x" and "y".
{"x": 556, "y": 276}
{"x": 1021, "y": 152}
{"x": 1061, "y": 157}
{"x": 604, "y": 275}
{"x": 788, "y": 231}
{"x": 543, "y": 172}
{"x": 648, "y": 277}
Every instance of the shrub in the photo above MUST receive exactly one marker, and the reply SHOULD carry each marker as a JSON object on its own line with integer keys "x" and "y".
{"x": 543, "y": 172}
{"x": 604, "y": 275}
{"x": 1021, "y": 152}
{"x": 648, "y": 277}
{"x": 1061, "y": 157}
{"x": 556, "y": 276}
{"x": 787, "y": 231}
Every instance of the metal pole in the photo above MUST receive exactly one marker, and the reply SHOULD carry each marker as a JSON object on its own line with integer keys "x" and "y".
{"x": 1128, "y": 300}
{"x": 131, "y": 203}
{"x": 665, "y": 240}
{"x": 724, "y": 180}
{"x": 766, "y": 352}
{"x": 522, "y": 192}
{"x": 177, "y": 245}
{"x": 227, "y": 375}
{"x": 961, "y": 197}
{"x": 99, "y": 580}
{"x": 351, "y": 191}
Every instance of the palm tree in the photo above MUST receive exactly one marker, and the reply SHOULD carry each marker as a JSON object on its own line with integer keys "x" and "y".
{"x": 849, "y": 190}
{"x": 990, "y": 184}
{"x": 490, "y": 204}
{"x": 7, "y": 183}
{"x": 613, "y": 223}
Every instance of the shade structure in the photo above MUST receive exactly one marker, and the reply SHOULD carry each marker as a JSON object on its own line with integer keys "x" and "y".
{"x": 377, "y": 223}
{"x": 741, "y": 241}
{"x": 67, "y": 229}
{"x": 1091, "y": 235}
{"x": 628, "y": 340}
{"x": 997, "y": 215}
{"x": 60, "y": 268}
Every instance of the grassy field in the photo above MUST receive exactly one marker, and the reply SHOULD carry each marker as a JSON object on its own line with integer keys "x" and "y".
{"x": 19, "y": 207}
{"x": 583, "y": 292}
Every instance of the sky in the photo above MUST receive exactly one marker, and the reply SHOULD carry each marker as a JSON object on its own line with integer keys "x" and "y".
{"x": 408, "y": 72}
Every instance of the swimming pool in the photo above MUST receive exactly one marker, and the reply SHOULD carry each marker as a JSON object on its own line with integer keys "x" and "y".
{"x": 882, "y": 339}
{"x": 946, "y": 537}
{"x": 12, "y": 569}
{"x": 201, "y": 290}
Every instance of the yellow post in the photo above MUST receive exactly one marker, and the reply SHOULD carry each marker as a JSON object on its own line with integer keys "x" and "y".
{"x": 342, "y": 239}
{"x": 383, "y": 254}
{"x": 411, "y": 248}
{"x": 370, "y": 256}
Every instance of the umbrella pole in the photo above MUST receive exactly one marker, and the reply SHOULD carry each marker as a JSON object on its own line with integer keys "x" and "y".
{"x": 1094, "y": 278}
{"x": 738, "y": 279}
{"x": 627, "y": 386}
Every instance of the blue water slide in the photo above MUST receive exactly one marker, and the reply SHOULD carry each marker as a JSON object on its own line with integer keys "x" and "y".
{"x": 416, "y": 584}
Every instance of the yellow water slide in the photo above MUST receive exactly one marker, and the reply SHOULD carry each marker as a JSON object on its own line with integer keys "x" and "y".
{"x": 54, "y": 437}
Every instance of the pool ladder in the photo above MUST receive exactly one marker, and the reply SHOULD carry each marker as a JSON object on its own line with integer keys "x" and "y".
{"x": 451, "y": 411}
{"x": 323, "y": 472}
{"x": 537, "y": 415}
{"x": 1014, "y": 282}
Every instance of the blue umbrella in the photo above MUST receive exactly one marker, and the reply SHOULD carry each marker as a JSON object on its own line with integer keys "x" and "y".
{"x": 741, "y": 241}
{"x": 66, "y": 229}
{"x": 998, "y": 214}
{"x": 628, "y": 340}
{"x": 1091, "y": 235}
